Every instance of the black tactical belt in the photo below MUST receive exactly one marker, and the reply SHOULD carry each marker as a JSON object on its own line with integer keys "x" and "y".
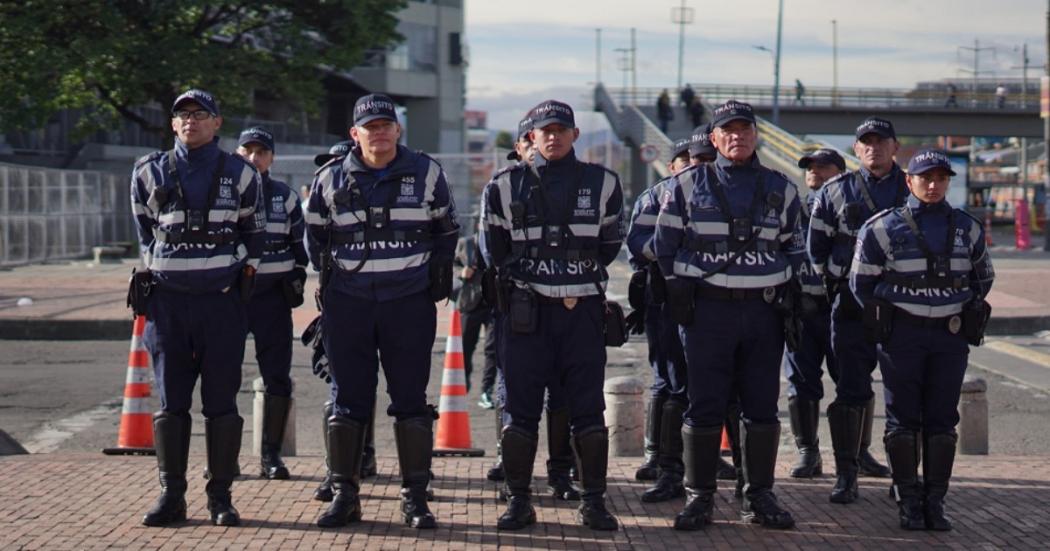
{"x": 176, "y": 238}
{"x": 373, "y": 235}
{"x": 276, "y": 246}
{"x": 551, "y": 253}
{"x": 912, "y": 282}
{"x": 543, "y": 299}
{"x": 726, "y": 246}
{"x": 725, "y": 293}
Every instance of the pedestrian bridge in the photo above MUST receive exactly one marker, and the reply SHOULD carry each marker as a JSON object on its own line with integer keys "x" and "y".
{"x": 826, "y": 110}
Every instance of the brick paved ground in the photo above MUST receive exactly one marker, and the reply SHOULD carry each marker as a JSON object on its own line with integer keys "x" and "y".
{"x": 88, "y": 501}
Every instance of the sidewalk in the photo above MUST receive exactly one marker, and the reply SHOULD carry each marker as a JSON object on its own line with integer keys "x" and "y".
{"x": 89, "y": 501}
{"x": 84, "y": 301}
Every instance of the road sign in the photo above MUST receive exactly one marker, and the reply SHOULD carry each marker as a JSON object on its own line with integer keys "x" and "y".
{"x": 648, "y": 153}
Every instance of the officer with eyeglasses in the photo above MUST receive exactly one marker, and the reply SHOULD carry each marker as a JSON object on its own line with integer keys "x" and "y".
{"x": 199, "y": 215}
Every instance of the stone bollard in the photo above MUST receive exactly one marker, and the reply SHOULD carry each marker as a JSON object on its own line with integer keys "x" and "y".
{"x": 973, "y": 418}
{"x": 625, "y": 416}
{"x": 288, "y": 448}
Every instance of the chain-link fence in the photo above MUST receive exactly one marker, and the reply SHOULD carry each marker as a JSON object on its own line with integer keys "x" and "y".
{"x": 48, "y": 214}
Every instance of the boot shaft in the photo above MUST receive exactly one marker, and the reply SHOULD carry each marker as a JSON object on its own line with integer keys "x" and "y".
{"x": 592, "y": 447}
{"x": 902, "y": 451}
{"x": 559, "y": 442}
{"x": 759, "y": 444}
{"x": 653, "y": 419}
{"x": 670, "y": 456}
{"x": 805, "y": 419}
{"x": 519, "y": 454}
{"x": 275, "y": 419}
{"x": 846, "y": 423}
{"x": 700, "y": 454}
{"x": 346, "y": 438}
{"x": 415, "y": 445}
{"x": 222, "y": 436}
{"x": 937, "y": 462}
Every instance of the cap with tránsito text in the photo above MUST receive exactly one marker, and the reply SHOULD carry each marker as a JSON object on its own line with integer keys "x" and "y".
{"x": 823, "y": 155}
{"x": 552, "y": 112}
{"x": 200, "y": 97}
{"x": 700, "y": 143}
{"x": 929, "y": 159}
{"x": 681, "y": 147}
{"x": 340, "y": 149}
{"x": 372, "y": 107}
{"x": 256, "y": 134}
{"x": 732, "y": 110}
{"x": 876, "y": 125}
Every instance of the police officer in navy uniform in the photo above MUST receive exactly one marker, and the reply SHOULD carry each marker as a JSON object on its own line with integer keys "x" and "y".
{"x": 647, "y": 296}
{"x": 803, "y": 367}
{"x": 278, "y": 288}
{"x": 701, "y": 150}
{"x": 728, "y": 244}
{"x": 385, "y": 217}
{"x": 839, "y": 210}
{"x": 551, "y": 228}
{"x": 923, "y": 271}
{"x": 199, "y": 215}
{"x": 323, "y": 492}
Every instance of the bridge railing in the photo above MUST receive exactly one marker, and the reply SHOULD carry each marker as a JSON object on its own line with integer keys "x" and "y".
{"x": 830, "y": 97}
{"x": 631, "y": 125}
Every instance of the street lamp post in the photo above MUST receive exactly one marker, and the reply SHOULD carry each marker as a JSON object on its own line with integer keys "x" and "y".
{"x": 776, "y": 65}
{"x": 776, "y": 78}
{"x": 834, "y": 62}
{"x": 624, "y": 64}
{"x": 681, "y": 16}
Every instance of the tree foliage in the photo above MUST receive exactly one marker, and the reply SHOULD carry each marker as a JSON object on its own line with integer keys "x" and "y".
{"x": 504, "y": 140}
{"x": 107, "y": 57}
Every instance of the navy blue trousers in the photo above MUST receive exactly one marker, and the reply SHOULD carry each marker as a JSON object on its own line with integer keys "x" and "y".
{"x": 729, "y": 341}
{"x": 804, "y": 367}
{"x": 566, "y": 353}
{"x": 922, "y": 374}
{"x": 196, "y": 335}
{"x": 855, "y": 357}
{"x": 270, "y": 322}
{"x": 359, "y": 332}
{"x": 472, "y": 323}
{"x": 666, "y": 356}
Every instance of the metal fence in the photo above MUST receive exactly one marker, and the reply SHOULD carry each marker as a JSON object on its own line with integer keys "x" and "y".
{"x": 49, "y": 214}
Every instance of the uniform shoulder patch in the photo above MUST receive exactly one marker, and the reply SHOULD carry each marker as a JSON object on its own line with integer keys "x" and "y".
{"x": 149, "y": 158}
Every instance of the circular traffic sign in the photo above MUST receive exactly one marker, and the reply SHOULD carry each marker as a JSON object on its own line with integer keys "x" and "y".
{"x": 648, "y": 153}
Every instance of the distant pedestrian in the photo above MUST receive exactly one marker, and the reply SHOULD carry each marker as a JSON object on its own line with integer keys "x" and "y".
{"x": 664, "y": 112}
{"x": 951, "y": 99}
{"x": 696, "y": 111}
{"x": 687, "y": 95}
{"x": 800, "y": 92}
{"x": 1000, "y": 96}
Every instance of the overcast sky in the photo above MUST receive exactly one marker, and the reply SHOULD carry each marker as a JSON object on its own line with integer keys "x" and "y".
{"x": 520, "y": 50}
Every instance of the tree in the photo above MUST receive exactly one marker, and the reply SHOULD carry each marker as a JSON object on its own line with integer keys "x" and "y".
{"x": 504, "y": 140}
{"x": 109, "y": 57}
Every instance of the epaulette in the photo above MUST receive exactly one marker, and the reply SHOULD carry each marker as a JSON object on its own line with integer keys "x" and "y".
{"x": 328, "y": 164}
{"x": 882, "y": 214}
{"x": 836, "y": 180}
{"x": 971, "y": 217}
{"x": 149, "y": 158}
{"x": 425, "y": 155}
{"x": 604, "y": 168}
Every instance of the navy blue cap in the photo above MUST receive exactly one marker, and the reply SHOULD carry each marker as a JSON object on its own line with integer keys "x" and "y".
{"x": 824, "y": 156}
{"x": 732, "y": 110}
{"x": 340, "y": 149}
{"x": 256, "y": 134}
{"x": 374, "y": 106}
{"x": 552, "y": 112}
{"x": 200, "y": 97}
{"x": 929, "y": 159}
{"x": 878, "y": 126}
{"x": 700, "y": 143}
{"x": 681, "y": 147}
{"x": 524, "y": 126}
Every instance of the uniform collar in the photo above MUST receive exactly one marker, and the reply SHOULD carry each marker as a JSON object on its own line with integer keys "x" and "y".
{"x": 918, "y": 207}
{"x": 870, "y": 178}
{"x": 353, "y": 163}
{"x": 725, "y": 164}
{"x": 203, "y": 154}
{"x": 568, "y": 160}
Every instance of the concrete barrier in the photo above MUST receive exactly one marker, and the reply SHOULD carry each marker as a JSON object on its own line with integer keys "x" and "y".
{"x": 288, "y": 447}
{"x": 625, "y": 416}
{"x": 973, "y": 418}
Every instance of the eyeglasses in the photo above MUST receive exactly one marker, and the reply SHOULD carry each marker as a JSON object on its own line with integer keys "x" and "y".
{"x": 197, "y": 115}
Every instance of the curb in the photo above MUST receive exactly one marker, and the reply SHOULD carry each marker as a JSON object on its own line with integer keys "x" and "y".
{"x": 1017, "y": 325}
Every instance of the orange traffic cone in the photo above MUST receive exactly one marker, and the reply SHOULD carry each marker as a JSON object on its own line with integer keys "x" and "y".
{"x": 136, "y": 418}
{"x": 727, "y": 447}
{"x": 453, "y": 430}
{"x": 988, "y": 227}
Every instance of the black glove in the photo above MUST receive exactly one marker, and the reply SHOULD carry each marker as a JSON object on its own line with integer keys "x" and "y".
{"x": 440, "y": 271}
{"x": 636, "y": 322}
{"x": 294, "y": 285}
{"x": 636, "y": 290}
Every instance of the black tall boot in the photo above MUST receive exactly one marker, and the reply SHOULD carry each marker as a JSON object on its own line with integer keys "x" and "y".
{"x": 866, "y": 463}
{"x": 415, "y": 446}
{"x": 368, "y": 461}
{"x": 700, "y": 453}
{"x": 669, "y": 485}
{"x": 805, "y": 416}
{"x": 650, "y": 470}
{"x": 559, "y": 446}
{"x": 519, "y": 452}
{"x": 732, "y": 428}
{"x": 902, "y": 450}
{"x": 275, "y": 417}
{"x": 759, "y": 448}
{"x": 592, "y": 447}
{"x": 324, "y": 489}
{"x": 937, "y": 461}
{"x": 222, "y": 436}
{"x": 346, "y": 438}
{"x": 846, "y": 423}
{"x": 172, "y": 441}
{"x": 495, "y": 473}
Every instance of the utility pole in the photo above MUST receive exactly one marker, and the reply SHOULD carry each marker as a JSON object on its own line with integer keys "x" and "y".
{"x": 834, "y": 62}
{"x": 681, "y": 16}
{"x": 776, "y": 65}
{"x": 597, "y": 56}
{"x": 624, "y": 64}
{"x": 1046, "y": 133}
{"x": 1023, "y": 158}
{"x": 977, "y": 49}
{"x": 634, "y": 69}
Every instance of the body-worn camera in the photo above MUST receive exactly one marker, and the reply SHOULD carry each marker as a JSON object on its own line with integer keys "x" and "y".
{"x": 552, "y": 236}
{"x": 196, "y": 222}
{"x": 378, "y": 217}
{"x": 741, "y": 228}
{"x": 938, "y": 268}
